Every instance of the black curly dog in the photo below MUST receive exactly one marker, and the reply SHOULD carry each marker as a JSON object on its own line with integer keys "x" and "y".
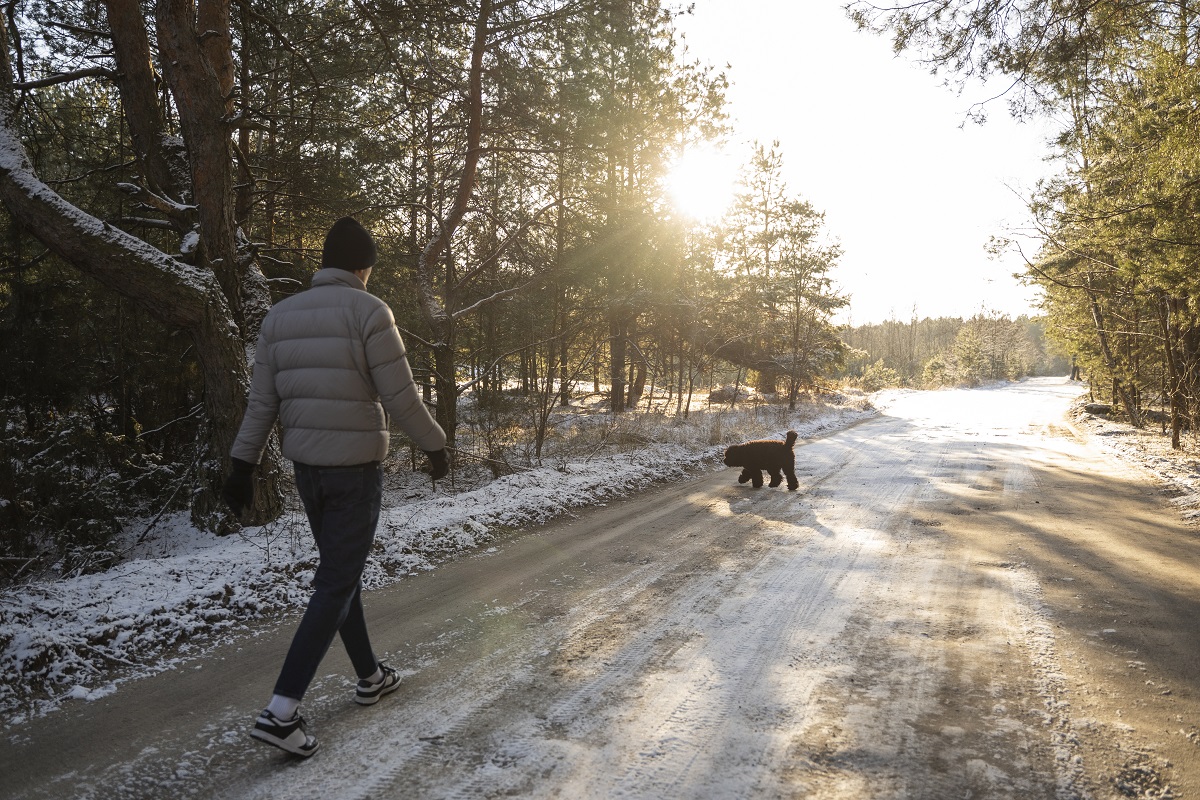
{"x": 770, "y": 454}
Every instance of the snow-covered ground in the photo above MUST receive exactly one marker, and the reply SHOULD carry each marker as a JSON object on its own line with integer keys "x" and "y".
{"x": 177, "y": 590}
{"x": 1177, "y": 471}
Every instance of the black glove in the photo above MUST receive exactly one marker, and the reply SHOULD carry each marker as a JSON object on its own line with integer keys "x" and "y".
{"x": 238, "y": 491}
{"x": 439, "y": 463}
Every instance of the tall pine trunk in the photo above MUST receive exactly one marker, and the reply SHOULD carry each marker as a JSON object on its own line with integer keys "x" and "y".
{"x": 1169, "y": 309}
{"x": 438, "y": 309}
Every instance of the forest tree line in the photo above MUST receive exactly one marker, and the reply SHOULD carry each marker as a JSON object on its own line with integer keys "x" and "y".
{"x": 1114, "y": 242}
{"x": 168, "y": 169}
{"x": 936, "y": 352}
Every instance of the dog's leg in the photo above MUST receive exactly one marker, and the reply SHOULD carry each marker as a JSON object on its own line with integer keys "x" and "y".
{"x": 776, "y": 477}
{"x": 756, "y": 477}
{"x": 793, "y": 484}
{"x": 745, "y": 476}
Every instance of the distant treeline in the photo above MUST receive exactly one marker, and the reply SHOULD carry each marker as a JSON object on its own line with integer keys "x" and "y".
{"x": 950, "y": 351}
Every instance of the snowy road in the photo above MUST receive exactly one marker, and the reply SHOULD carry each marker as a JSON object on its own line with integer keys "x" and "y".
{"x": 962, "y": 600}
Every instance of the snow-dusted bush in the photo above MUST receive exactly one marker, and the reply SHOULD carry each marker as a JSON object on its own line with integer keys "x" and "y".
{"x": 879, "y": 376}
{"x": 731, "y": 394}
{"x": 66, "y": 490}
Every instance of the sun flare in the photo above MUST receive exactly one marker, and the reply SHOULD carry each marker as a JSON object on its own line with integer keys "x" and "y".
{"x": 700, "y": 183}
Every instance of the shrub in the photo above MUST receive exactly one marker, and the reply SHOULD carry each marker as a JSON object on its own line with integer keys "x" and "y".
{"x": 879, "y": 376}
{"x": 731, "y": 394}
{"x": 66, "y": 489}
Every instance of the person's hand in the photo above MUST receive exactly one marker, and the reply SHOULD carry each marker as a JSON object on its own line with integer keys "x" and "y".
{"x": 439, "y": 463}
{"x": 238, "y": 491}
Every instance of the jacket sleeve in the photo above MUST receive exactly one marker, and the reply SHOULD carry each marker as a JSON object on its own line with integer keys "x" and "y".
{"x": 393, "y": 378}
{"x": 262, "y": 408}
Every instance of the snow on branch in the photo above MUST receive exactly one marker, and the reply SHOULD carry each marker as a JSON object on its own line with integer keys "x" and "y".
{"x": 64, "y": 77}
{"x": 176, "y": 292}
{"x": 171, "y": 208}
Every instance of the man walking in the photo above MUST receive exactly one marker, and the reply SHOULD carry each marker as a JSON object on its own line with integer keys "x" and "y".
{"x": 331, "y": 367}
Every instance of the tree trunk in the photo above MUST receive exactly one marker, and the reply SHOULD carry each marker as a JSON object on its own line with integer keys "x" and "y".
{"x": 637, "y": 366}
{"x": 560, "y": 298}
{"x": 161, "y": 165}
{"x": 1119, "y": 386}
{"x": 616, "y": 354}
{"x": 436, "y": 309}
{"x": 637, "y": 383}
{"x": 1168, "y": 309}
{"x": 444, "y": 365}
{"x": 175, "y": 293}
{"x": 225, "y": 402}
{"x": 564, "y": 352}
{"x": 198, "y": 68}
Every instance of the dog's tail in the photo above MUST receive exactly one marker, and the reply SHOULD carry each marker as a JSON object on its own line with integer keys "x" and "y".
{"x": 791, "y": 438}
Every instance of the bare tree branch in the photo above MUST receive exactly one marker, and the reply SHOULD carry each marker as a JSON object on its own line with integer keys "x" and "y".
{"x": 65, "y": 77}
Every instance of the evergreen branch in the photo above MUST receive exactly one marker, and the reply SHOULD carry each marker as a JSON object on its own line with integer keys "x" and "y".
{"x": 491, "y": 259}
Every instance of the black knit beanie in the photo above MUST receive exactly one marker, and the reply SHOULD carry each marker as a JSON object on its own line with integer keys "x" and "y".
{"x": 348, "y": 246}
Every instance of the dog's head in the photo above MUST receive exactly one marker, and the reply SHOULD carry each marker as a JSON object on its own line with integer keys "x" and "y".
{"x": 731, "y": 456}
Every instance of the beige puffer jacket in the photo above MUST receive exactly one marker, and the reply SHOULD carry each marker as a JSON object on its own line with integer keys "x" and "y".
{"x": 329, "y": 363}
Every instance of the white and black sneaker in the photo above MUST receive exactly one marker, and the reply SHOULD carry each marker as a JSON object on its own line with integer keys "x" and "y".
{"x": 367, "y": 693}
{"x": 289, "y": 735}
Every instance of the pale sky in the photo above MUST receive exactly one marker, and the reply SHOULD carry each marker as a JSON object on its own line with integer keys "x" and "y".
{"x": 880, "y": 145}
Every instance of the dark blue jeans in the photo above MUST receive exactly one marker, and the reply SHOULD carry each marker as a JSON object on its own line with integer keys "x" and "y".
{"x": 342, "y": 504}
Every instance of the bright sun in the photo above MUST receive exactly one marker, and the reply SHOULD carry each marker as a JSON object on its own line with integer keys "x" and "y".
{"x": 701, "y": 183}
